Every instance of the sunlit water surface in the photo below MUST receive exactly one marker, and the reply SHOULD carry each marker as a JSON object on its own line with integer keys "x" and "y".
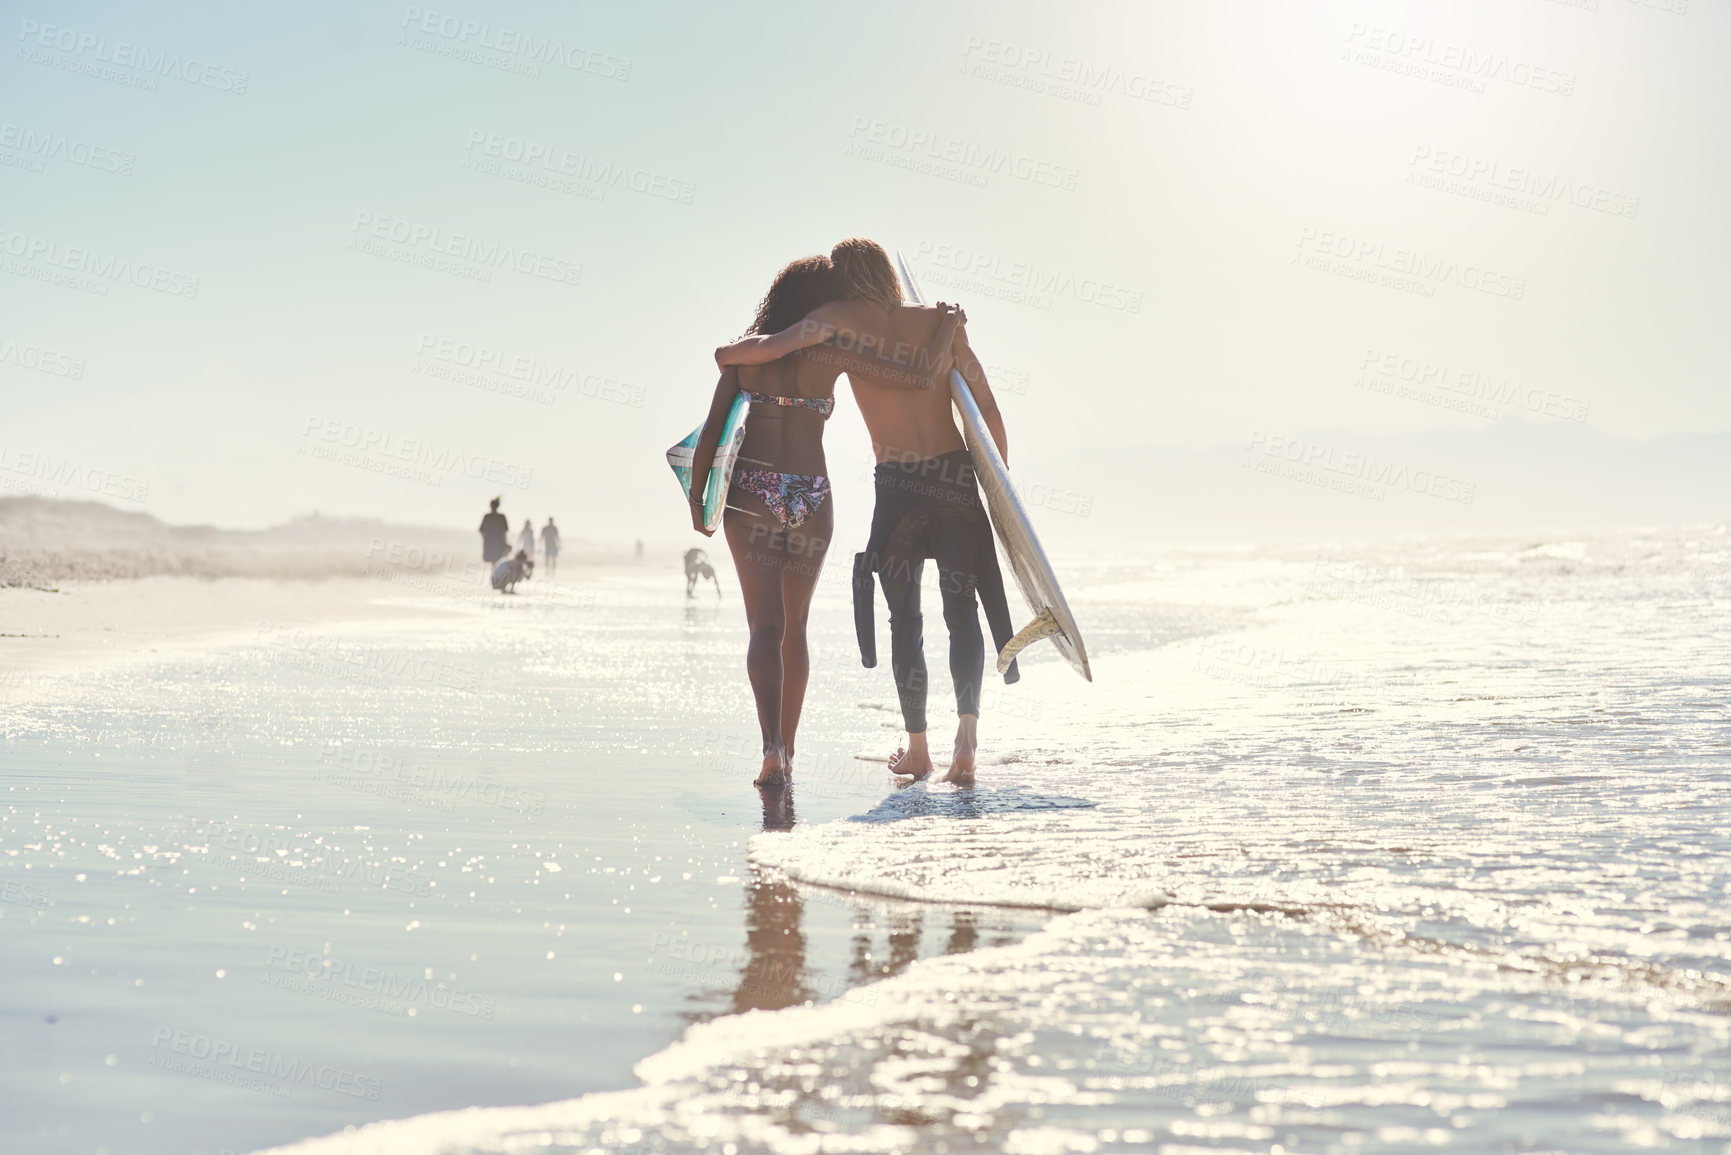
{"x": 1373, "y": 850}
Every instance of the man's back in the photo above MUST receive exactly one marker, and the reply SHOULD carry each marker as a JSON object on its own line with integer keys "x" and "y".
{"x": 906, "y": 423}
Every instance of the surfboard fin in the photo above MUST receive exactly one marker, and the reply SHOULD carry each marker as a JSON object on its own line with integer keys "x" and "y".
{"x": 1044, "y": 626}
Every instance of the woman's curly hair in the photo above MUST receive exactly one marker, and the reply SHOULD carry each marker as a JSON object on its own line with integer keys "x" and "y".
{"x": 798, "y": 289}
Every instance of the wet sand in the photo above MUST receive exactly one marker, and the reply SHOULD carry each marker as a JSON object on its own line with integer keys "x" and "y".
{"x": 438, "y": 847}
{"x": 1341, "y": 851}
{"x": 79, "y": 626}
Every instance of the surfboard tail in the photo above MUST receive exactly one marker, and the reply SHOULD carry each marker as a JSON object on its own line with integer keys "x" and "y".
{"x": 1011, "y": 526}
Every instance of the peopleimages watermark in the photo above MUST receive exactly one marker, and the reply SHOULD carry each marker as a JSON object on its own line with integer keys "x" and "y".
{"x": 481, "y": 366}
{"x": 87, "y": 270}
{"x": 1451, "y": 65}
{"x": 24, "y": 894}
{"x": 315, "y": 973}
{"x": 458, "y": 254}
{"x": 747, "y": 970}
{"x": 1230, "y": 660}
{"x": 264, "y": 854}
{"x": 851, "y": 351}
{"x": 1021, "y": 282}
{"x": 41, "y": 359}
{"x": 1511, "y": 186}
{"x": 64, "y": 474}
{"x": 26, "y": 681}
{"x": 936, "y": 153}
{"x": 468, "y": 578}
{"x": 1062, "y": 77}
{"x": 415, "y": 458}
{"x": 1434, "y": 382}
{"x": 1335, "y": 576}
{"x": 819, "y": 773}
{"x": 223, "y": 1061}
{"x": 350, "y": 661}
{"x": 399, "y": 777}
{"x": 1039, "y": 495}
{"x": 1358, "y": 474}
{"x": 547, "y": 165}
{"x": 132, "y": 65}
{"x": 1326, "y": 1010}
{"x": 294, "y": 856}
{"x": 31, "y": 149}
{"x": 506, "y": 49}
{"x": 1408, "y": 270}
{"x": 1168, "y": 1077}
{"x": 1005, "y": 380}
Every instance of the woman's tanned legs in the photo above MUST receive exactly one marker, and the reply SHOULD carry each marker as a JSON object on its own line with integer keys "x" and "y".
{"x": 778, "y": 572}
{"x": 804, "y": 549}
{"x": 760, "y": 578}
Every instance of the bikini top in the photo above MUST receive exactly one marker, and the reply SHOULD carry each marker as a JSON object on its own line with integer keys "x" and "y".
{"x": 822, "y": 406}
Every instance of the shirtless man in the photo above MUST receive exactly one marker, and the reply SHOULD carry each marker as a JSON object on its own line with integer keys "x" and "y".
{"x": 928, "y": 502}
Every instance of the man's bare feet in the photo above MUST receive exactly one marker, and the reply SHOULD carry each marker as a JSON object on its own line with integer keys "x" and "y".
{"x": 775, "y": 772}
{"x": 967, "y": 742}
{"x": 914, "y": 760}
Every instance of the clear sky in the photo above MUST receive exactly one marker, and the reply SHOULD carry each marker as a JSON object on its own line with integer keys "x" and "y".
{"x": 261, "y": 260}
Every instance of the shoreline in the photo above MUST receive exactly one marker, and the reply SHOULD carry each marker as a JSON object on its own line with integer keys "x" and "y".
{"x": 75, "y": 624}
{"x": 81, "y": 626}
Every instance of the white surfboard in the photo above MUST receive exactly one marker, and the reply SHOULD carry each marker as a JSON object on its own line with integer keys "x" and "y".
{"x": 721, "y": 473}
{"x": 1039, "y": 585}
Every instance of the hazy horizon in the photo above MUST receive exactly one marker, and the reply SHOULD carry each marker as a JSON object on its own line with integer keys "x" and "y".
{"x": 496, "y": 245}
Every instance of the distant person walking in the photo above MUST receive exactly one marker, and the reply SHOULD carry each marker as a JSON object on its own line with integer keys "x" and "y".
{"x": 495, "y": 534}
{"x": 526, "y": 539}
{"x": 550, "y": 545}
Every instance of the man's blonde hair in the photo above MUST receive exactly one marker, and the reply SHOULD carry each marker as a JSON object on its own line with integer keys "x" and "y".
{"x": 866, "y": 272}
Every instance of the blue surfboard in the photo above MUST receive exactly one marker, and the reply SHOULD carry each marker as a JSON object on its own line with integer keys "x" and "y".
{"x": 721, "y": 473}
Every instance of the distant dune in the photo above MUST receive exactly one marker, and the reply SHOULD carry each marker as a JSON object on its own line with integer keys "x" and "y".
{"x": 44, "y": 540}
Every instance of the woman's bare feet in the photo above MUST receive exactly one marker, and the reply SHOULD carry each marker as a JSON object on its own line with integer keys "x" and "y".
{"x": 913, "y": 760}
{"x": 967, "y": 742}
{"x": 775, "y": 772}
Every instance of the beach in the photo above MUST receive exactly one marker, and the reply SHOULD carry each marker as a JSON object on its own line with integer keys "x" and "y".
{"x": 1342, "y": 389}
{"x": 1347, "y": 848}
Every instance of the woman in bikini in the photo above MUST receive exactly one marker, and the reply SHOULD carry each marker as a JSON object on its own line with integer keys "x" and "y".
{"x": 779, "y": 517}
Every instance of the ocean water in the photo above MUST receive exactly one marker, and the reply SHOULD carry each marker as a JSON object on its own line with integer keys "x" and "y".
{"x": 1346, "y": 849}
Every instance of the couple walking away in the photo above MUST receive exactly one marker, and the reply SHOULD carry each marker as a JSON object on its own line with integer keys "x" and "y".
{"x": 824, "y": 316}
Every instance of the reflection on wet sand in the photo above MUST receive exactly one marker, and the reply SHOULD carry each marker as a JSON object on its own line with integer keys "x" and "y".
{"x": 904, "y": 948}
{"x": 778, "y": 808}
{"x": 776, "y": 972}
{"x": 888, "y": 936}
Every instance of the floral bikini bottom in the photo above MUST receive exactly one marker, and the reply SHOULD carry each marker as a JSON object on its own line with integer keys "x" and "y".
{"x": 792, "y": 497}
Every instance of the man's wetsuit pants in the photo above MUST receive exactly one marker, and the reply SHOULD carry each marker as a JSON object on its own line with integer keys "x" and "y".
{"x": 931, "y": 509}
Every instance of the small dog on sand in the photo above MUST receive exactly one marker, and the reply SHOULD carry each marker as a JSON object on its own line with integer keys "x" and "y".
{"x": 697, "y": 566}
